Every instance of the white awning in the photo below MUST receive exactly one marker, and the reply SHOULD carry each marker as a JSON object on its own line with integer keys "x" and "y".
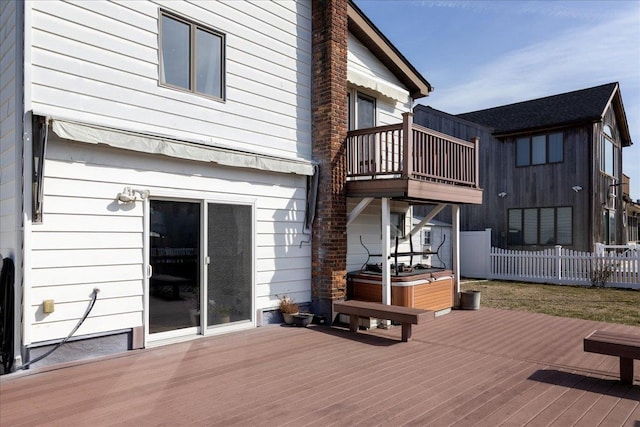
{"x": 380, "y": 86}
{"x": 153, "y": 144}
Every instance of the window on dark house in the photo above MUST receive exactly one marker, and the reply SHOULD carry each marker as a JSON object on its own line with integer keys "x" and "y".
{"x": 609, "y": 226}
{"x": 540, "y": 226}
{"x": 191, "y": 57}
{"x": 608, "y": 152}
{"x": 540, "y": 149}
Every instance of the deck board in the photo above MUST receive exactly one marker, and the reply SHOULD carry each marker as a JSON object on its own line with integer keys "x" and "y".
{"x": 486, "y": 367}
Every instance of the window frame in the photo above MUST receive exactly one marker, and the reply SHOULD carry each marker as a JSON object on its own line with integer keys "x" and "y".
{"x": 530, "y": 153}
{"x": 538, "y": 226}
{"x": 353, "y": 110}
{"x": 608, "y": 141}
{"x": 194, "y": 26}
{"x": 426, "y": 239}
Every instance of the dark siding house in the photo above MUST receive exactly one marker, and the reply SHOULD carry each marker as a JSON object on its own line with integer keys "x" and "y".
{"x": 551, "y": 168}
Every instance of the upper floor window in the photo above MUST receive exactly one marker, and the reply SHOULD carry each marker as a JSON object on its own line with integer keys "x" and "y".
{"x": 540, "y": 226}
{"x": 361, "y": 111}
{"x": 608, "y": 152}
{"x": 539, "y": 149}
{"x": 191, "y": 56}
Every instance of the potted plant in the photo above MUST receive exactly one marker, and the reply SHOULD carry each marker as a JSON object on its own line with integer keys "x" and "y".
{"x": 302, "y": 319}
{"x": 288, "y": 308}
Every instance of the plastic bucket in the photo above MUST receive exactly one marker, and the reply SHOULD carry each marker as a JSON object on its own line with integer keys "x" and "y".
{"x": 470, "y": 300}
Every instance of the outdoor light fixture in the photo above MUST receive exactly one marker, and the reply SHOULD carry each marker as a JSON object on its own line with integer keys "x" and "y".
{"x": 502, "y": 195}
{"x": 576, "y": 188}
{"x": 130, "y": 195}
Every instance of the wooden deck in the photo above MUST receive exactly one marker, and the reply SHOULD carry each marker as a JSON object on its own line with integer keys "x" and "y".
{"x": 488, "y": 367}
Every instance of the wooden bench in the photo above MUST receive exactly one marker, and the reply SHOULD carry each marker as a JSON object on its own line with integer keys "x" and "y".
{"x": 626, "y": 347}
{"x": 404, "y": 315}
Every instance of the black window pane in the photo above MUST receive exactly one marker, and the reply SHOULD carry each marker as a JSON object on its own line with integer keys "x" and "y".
{"x": 530, "y": 226}
{"x": 538, "y": 150}
{"x": 609, "y": 156}
{"x": 365, "y": 113}
{"x": 564, "y": 221}
{"x": 522, "y": 152}
{"x": 175, "y": 68}
{"x": 208, "y": 63}
{"x": 515, "y": 227}
{"x": 547, "y": 226}
{"x": 555, "y": 148}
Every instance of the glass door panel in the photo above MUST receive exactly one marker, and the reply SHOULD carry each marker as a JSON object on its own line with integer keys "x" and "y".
{"x": 229, "y": 273}
{"x": 174, "y": 255}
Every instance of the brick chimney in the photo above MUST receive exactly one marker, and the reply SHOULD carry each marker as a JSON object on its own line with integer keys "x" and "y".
{"x": 329, "y": 131}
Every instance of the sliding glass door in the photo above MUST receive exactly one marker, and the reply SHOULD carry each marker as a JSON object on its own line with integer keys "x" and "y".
{"x": 229, "y": 272}
{"x": 174, "y": 255}
{"x": 183, "y": 294}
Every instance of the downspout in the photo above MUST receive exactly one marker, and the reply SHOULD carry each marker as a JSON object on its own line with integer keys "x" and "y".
{"x": 23, "y": 266}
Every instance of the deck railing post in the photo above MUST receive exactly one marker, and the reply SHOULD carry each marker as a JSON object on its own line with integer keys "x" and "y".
{"x": 407, "y": 144}
{"x": 476, "y": 149}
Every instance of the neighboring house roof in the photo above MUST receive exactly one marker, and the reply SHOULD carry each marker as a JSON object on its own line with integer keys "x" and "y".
{"x": 585, "y": 105}
{"x": 361, "y": 27}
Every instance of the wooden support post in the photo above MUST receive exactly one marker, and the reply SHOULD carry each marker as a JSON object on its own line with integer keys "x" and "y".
{"x": 406, "y": 332}
{"x": 626, "y": 370}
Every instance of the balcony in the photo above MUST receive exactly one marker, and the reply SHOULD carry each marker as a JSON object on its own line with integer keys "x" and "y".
{"x": 412, "y": 163}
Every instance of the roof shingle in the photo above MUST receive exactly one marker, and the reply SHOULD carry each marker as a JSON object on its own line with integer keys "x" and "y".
{"x": 571, "y": 107}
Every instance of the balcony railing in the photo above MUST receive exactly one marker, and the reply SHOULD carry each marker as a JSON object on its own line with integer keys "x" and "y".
{"x": 407, "y": 150}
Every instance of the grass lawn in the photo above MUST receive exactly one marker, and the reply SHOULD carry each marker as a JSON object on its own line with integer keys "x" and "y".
{"x": 601, "y": 304}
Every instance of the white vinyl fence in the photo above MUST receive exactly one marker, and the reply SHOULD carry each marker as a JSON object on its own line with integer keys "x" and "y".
{"x": 566, "y": 267}
{"x": 609, "y": 266}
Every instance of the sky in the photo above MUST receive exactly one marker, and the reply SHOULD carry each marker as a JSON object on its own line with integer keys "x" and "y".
{"x": 483, "y": 54}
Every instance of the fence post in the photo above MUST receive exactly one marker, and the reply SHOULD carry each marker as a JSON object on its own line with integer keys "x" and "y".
{"x": 599, "y": 249}
{"x": 487, "y": 249}
{"x": 559, "y": 263}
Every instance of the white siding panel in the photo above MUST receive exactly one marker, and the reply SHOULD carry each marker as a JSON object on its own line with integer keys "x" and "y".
{"x": 82, "y": 291}
{"x": 90, "y": 223}
{"x": 93, "y": 240}
{"x": 75, "y": 310}
{"x": 107, "y": 33}
{"x": 98, "y": 62}
{"x": 268, "y": 252}
{"x": 10, "y": 132}
{"x": 55, "y": 330}
{"x": 85, "y": 257}
{"x": 134, "y": 20}
{"x": 365, "y": 62}
{"x": 90, "y": 206}
{"x": 93, "y": 274}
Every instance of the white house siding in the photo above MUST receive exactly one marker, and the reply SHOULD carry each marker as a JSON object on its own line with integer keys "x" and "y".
{"x": 10, "y": 129}
{"x": 97, "y": 62}
{"x": 88, "y": 240}
{"x": 440, "y": 238}
{"x": 368, "y": 227}
{"x": 362, "y": 61}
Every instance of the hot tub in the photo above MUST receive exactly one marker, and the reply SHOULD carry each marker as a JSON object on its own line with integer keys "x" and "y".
{"x": 429, "y": 289}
